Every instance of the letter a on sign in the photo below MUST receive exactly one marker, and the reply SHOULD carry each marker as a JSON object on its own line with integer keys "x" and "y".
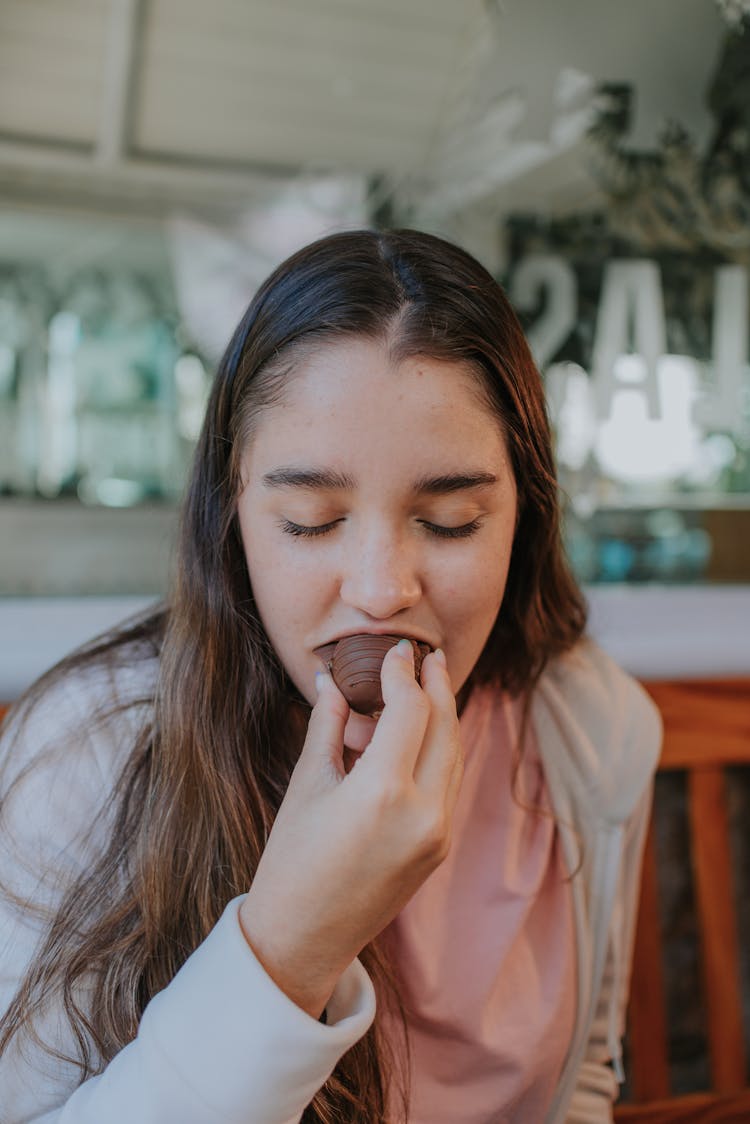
{"x": 630, "y": 319}
{"x": 722, "y": 408}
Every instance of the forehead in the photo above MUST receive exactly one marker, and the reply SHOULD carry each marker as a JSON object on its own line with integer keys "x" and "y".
{"x": 353, "y": 388}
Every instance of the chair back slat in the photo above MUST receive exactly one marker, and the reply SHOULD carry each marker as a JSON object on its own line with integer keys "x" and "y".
{"x": 647, "y": 1026}
{"x": 697, "y": 1108}
{"x": 706, "y": 731}
{"x": 704, "y": 720}
{"x": 720, "y": 954}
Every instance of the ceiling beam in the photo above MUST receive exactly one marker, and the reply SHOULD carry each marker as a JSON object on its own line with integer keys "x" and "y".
{"x": 119, "y": 69}
{"x": 42, "y": 171}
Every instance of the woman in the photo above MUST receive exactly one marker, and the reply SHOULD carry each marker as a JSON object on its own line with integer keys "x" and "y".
{"x": 254, "y": 904}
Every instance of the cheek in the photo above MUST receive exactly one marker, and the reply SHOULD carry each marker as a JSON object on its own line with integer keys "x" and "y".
{"x": 471, "y": 603}
{"x": 473, "y": 606}
{"x": 477, "y": 583}
{"x": 291, "y": 589}
{"x": 272, "y": 584}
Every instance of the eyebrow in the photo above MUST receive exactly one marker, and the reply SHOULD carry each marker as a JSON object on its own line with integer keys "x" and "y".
{"x": 320, "y": 479}
{"x": 454, "y": 482}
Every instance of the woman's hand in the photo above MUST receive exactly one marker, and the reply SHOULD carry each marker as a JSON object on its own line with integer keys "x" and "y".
{"x": 348, "y": 850}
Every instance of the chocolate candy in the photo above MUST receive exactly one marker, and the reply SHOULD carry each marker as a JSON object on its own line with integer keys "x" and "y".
{"x": 355, "y": 663}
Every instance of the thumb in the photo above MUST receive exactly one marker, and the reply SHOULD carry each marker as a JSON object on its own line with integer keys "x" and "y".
{"x": 325, "y": 730}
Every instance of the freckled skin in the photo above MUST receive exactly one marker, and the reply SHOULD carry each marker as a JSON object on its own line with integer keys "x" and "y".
{"x": 379, "y": 567}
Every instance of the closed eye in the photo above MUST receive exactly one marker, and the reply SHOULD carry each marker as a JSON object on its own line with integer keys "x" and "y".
{"x": 306, "y": 532}
{"x": 462, "y": 532}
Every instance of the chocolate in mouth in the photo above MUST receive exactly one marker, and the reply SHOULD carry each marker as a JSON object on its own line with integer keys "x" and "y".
{"x": 355, "y": 663}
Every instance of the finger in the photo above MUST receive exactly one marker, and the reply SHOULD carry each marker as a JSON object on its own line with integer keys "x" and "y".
{"x": 325, "y": 730}
{"x": 442, "y": 751}
{"x": 401, "y": 727}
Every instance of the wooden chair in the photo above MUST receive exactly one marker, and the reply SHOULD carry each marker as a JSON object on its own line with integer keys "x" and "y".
{"x": 707, "y": 729}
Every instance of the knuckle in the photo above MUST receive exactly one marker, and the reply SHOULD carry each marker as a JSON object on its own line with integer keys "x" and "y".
{"x": 388, "y": 796}
{"x": 434, "y": 838}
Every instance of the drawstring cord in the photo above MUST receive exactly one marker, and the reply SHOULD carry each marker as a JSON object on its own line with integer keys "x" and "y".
{"x": 614, "y": 1044}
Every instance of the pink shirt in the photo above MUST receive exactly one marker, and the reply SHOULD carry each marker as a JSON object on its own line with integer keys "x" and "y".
{"x": 486, "y": 946}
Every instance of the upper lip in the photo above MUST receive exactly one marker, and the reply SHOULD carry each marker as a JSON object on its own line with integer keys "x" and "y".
{"x": 401, "y": 633}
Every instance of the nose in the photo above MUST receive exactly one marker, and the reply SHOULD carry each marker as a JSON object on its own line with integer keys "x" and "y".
{"x": 380, "y": 576}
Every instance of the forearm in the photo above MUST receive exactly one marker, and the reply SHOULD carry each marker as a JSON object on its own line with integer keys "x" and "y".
{"x": 221, "y": 1044}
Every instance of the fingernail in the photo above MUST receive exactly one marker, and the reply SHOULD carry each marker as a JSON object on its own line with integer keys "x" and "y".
{"x": 440, "y": 657}
{"x": 405, "y": 649}
{"x": 321, "y": 678}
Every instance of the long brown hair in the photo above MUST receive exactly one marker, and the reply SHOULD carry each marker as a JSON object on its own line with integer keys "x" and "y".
{"x": 199, "y": 791}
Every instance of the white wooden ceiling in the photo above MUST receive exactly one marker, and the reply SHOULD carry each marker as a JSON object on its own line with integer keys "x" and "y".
{"x": 279, "y": 83}
{"x": 195, "y": 99}
{"x": 51, "y": 59}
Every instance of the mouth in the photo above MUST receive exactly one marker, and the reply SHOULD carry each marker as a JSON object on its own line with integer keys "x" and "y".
{"x": 325, "y": 651}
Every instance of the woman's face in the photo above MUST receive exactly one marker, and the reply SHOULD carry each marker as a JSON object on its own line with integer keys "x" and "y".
{"x": 377, "y": 498}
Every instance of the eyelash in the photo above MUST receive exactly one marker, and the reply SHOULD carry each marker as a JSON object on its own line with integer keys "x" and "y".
{"x": 305, "y": 532}
{"x": 463, "y": 532}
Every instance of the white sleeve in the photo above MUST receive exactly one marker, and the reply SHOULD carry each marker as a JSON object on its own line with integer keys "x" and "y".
{"x": 221, "y": 1044}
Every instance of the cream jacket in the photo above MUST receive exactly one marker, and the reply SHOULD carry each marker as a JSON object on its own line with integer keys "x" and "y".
{"x": 222, "y": 1044}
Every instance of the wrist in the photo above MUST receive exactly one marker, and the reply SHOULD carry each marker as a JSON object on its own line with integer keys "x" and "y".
{"x": 295, "y": 971}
